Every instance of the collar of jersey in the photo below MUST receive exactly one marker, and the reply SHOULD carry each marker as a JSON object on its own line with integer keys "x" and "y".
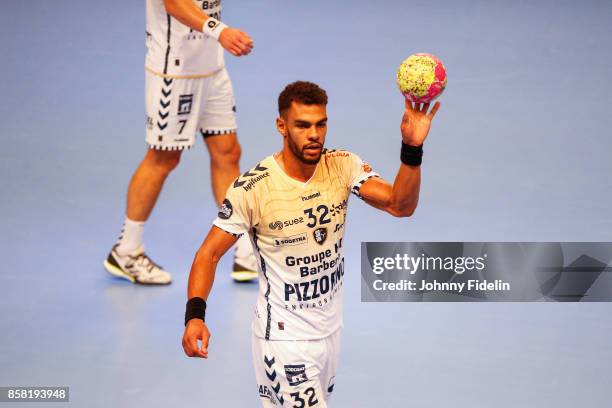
{"x": 302, "y": 184}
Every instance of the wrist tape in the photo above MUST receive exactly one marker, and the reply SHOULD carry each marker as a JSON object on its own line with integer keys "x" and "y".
{"x": 196, "y": 309}
{"x": 213, "y": 27}
{"x": 411, "y": 155}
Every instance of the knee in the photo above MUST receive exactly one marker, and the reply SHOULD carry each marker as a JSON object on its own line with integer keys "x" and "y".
{"x": 228, "y": 154}
{"x": 163, "y": 160}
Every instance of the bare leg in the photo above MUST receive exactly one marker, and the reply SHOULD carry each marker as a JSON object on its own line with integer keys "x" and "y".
{"x": 147, "y": 182}
{"x": 224, "y": 163}
{"x": 127, "y": 258}
{"x": 224, "y": 168}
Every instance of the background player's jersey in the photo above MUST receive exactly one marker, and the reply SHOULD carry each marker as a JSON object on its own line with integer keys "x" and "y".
{"x": 176, "y": 50}
{"x": 296, "y": 229}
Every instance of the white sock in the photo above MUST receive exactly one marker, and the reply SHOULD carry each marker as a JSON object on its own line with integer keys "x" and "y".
{"x": 131, "y": 236}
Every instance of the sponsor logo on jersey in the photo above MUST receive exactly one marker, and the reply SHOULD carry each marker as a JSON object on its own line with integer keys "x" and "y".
{"x": 279, "y": 225}
{"x": 265, "y": 392}
{"x": 249, "y": 185}
{"x": 296, "y": 374}
{"x": 311, "y": 196}
{"x": 320, "y": 235}
{"x": 276, "y": 225}
{"x": 255, "y": 175}
{"x": 298, "y": 239}
{"x": 226, "y": 210}
{"x": 314, "y": 289}
{"x": 184, "y": 104}
{"x": 211, "y": 4}
{"x": 337, "y": 153}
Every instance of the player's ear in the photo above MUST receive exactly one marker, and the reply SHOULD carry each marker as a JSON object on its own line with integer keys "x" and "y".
{"x": 281, "y": 126}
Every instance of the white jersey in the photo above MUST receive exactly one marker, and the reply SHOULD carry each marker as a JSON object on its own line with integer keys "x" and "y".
{"x": 296, "y": 230}
{"x": 175, "y": 50}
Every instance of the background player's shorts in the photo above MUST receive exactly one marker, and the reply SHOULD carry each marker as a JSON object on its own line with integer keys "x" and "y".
{"x": 178, "y": 108}
{"x": 298, "y": 373}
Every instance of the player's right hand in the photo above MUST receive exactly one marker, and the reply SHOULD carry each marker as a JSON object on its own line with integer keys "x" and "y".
{"x": 236, "y": 42}
{"x": 194, "y": 331}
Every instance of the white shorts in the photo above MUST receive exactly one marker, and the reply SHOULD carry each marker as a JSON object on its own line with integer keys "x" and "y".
{"x": 178, "y": 108}
{"x": 298, "y": 373}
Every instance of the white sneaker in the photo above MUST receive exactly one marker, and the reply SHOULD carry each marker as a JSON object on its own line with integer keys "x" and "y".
{"x": 242, "y": 274}
{"x": 136, "y": 267}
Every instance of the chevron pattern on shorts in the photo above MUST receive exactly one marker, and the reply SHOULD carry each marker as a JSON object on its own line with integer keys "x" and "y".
{"x": 164, "y": 103}
{"x": 272, "y": 377}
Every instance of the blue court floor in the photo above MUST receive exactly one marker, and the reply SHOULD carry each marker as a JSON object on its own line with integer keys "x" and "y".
{"x": 520, "y": 151}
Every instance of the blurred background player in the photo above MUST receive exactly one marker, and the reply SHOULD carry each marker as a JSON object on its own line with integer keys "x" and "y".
{"x": 188, "y": 91}
{"x": 294, "y": 212}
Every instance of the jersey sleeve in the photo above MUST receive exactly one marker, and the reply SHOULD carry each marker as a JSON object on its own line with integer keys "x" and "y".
{"x": 358, "y": 172}
{"x": 234, "y": 215}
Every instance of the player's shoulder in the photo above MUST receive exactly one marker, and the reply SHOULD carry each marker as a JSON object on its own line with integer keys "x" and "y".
{"x": 250, "y": 179}
{"x": 340, "y": 157}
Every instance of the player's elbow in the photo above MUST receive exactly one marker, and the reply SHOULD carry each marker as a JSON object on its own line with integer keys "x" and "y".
{"x": 402, "y": 212}
{"x": 206, "y": 254}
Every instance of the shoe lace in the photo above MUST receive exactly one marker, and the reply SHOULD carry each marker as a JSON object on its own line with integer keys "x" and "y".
{"x": 143, "y": 261}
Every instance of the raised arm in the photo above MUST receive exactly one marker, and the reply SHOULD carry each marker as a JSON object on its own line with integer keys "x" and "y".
{"x": 401, "y": 198}
{"x": 187, "y": 12}
{"x": 201, "y": 279}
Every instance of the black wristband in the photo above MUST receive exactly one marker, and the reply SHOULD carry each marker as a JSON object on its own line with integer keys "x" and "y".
{"x": 196, "y": 309}
{"x": 411, "y": 155}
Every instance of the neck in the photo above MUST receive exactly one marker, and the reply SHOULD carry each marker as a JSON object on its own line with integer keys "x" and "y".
{"x": 293, "y": 167}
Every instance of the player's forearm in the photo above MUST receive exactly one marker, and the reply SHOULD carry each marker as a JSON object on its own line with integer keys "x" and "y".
{"x": 202, "y": 274}
{"x": 405, "y": 192}
{"x": 187, "y": 12}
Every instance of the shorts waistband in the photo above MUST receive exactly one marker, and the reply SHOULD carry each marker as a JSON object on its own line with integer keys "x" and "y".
{"x": 207, "y": 75}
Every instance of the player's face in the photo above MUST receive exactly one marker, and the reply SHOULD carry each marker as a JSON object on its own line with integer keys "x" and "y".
{"x": 304, "y": 128}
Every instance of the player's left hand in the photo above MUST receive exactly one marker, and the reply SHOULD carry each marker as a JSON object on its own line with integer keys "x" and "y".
{"x": 196, "y": 330}
{"x": 417, "y": 121}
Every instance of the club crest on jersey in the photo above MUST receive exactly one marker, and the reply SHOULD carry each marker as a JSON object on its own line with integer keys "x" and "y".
{"x": 296, "y": 374}
{"x": 226, "y": 210}
{"x": 320, "y": 235}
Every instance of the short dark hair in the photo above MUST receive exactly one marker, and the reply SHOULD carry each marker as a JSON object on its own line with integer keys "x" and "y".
{"x": 304, "y": 92}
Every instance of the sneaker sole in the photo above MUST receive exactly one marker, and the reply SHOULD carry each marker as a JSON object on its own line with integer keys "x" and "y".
{"x": 113, "y": 270}
{"x": 244, "y": 276}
